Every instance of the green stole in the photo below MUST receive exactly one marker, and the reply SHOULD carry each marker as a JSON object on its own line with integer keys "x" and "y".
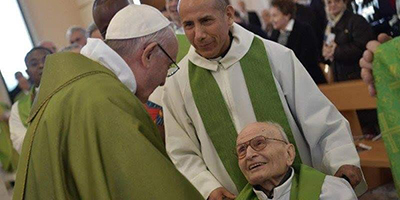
{"x": 387, "y": 82}
{"x": 214, "y": 112}
{"x": 24, "y": 107}
{"x": 8, "y": 155}
{"x": 306, "y": 185}
{"x": 184, "y": 46}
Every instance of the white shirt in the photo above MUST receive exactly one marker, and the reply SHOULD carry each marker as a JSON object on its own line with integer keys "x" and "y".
{"x": 333, "y": 188}
{"x": 289, "y": 26}
{"x": 99, "y": 51}
{"x": 321, "y": 133}
{"x": 17, "y": 129}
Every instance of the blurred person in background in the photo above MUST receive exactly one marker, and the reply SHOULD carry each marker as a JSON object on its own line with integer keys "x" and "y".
{"x": 297, "y": 36}
{"x": 93, "y": 32}
{"x": 249, "y": 17}
{"x": 76, "y": 34}
{"x": 346, "y": 36}
{"x": 268, "y": 27}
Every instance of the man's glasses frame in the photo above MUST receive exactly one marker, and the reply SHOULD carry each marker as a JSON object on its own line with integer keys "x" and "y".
{"x": 252, "y": 144}
{"x": 172, "y": 70}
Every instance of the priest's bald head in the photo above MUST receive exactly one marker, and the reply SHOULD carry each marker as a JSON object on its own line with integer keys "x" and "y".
{"x": 143, "y": 37}
{"x": 104, "y": 10}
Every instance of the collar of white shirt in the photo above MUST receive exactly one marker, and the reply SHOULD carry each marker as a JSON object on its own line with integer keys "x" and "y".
{"x": 99, "y": 51}
{"x": 289, "y": 26}
{"x": 241, "y": 43}
{"x": 279, "y": 191}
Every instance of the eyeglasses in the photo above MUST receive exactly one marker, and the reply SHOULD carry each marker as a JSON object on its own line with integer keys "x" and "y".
{"x": 174, "y": 67}
{"x": 258, "y": 143}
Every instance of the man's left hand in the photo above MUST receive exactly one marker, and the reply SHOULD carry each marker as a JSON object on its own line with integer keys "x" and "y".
{"x": 352, "y": 172}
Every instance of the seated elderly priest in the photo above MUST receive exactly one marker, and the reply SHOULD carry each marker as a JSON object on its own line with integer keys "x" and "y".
{"x": 266, "y": 158}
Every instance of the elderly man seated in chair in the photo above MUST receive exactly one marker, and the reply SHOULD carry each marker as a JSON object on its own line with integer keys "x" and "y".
{"x": 266, "y": 157}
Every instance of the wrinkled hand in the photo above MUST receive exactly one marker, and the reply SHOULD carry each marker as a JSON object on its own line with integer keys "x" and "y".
{"x": 367, "y": 60}
{"x": 352, "y": 172}
{"x": 220, "y": 194}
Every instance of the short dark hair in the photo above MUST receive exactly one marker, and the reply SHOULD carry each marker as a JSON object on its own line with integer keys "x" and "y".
{"x": 287, "y": 7}
{"x": 33, "y": 50}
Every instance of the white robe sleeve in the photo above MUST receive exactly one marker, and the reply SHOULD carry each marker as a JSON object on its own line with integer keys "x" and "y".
{"x": 182, "y": 144}
{"x": 326, "y": 131}
{"x": 336, "y": 188}
{"x": 17, "y": 129}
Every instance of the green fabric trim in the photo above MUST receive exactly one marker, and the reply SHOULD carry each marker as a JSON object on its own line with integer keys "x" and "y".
{"x": 214, "y": 111}
{"x": 8, "y": 155}
{"x": 184, "y": 46}
{"x": 24, "y": 107}
{"x": 306, "y": 185}
{"x": 387, "y": 82}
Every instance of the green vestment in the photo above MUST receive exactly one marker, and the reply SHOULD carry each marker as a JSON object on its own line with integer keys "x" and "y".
{"x": 91, "y": 138}
{"x": 24, "y": 107}
{"x": 306, "y": 185}
{"x": 8, "y": 155}
{"x": 387, "y": 83}
{"x": 184, "y": 46}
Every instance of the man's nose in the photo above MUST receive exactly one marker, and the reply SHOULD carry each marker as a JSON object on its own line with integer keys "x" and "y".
{"x": 41, "y": 65}
{"x": 250, "y": 153}
{"x": 200, "y": 35}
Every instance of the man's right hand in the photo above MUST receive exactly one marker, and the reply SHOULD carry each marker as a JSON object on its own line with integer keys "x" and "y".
{"x": 221, "y": 194}
{"x": 367, "y": 60}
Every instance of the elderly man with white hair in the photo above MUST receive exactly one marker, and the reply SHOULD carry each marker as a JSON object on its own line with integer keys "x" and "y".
{"x": 266, "y": 157}
{"x": 76, "y": 35}
{"x": 90, "y": 136}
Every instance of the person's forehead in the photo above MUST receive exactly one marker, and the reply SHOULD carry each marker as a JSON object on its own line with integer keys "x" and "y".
{"x": 255, "y": 130}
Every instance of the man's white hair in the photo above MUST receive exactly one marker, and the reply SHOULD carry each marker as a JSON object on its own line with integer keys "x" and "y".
{"x": 73, "y": 29}
{"x": 280, "y": 129}
{"x": 129, "y": 47}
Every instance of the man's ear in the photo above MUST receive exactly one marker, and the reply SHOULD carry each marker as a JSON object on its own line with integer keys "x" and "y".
{"x": 148, "y": 52}
{"x": 230, "y": 13}
{"x": 291, "y": 154}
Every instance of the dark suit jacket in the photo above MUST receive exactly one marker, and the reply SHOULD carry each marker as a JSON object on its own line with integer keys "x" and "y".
{"x": 302, "y": 41}
{"x": 254, "y": 19}
{"x": 352, "y": 35}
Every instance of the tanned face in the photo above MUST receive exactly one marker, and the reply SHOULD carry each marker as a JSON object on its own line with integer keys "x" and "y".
{"x": 206, "y": 26}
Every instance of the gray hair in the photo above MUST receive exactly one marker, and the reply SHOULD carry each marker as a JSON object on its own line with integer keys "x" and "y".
{"x": 73, "y": 29}
{"x": 91, "y": 28}
{"x": 128, "y": 47}
{"x": 280, "y": 129}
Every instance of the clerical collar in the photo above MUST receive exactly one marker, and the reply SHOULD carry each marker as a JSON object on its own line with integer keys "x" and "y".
{"x": 240, "y": 44}
{"x": 99, "y": 51}
{"x": 282, "y": 188}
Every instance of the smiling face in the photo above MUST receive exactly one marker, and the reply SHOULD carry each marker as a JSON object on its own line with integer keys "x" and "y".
{"x": 206, "y": 26}
{"x": 273, "y": 161}
{"x": 279, "y": 20}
